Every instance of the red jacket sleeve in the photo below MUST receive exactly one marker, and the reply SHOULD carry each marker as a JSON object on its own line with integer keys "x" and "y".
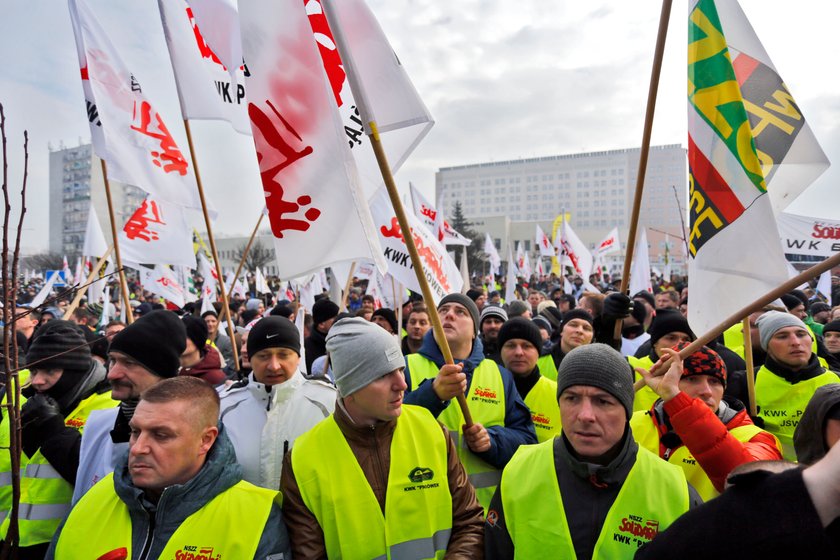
{"x": 709, "y": 440}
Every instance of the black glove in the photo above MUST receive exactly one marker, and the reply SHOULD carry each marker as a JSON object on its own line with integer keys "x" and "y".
{"x": 618, "y": 305}
{"x": 40, "y": 417}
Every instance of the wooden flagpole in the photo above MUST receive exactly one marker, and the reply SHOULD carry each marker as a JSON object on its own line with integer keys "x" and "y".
{"x": 81, "y": 292}
{"x": 664, "y": 16}
{"x": 748, "y": 358}
{"x": 129, "y": 315}
{"x": 346, "y": 295}
{"x": 372, "y": 132}
{"x": 244, "y": 255}
{"x": 736, "y": 317}
{"x": 225, "y": 306}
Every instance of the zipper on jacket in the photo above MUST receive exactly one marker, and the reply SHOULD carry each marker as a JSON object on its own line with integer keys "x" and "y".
{"x": 150, "y": 534}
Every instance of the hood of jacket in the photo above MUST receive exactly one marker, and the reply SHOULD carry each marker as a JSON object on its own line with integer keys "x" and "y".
{"x": 177, "y": 502}
{"x": 208, "y": 368}
{"x": 808, "y": 439}
{"x": 431, "y": 350}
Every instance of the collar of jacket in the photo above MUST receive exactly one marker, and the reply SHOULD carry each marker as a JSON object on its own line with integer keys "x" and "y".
{"x": 431, "y": 350}
{"x": 811, "y": 370}
{"x": 612, "y": 473}
{"x": 177, "y": 502}
{"x": 726, "y": 412}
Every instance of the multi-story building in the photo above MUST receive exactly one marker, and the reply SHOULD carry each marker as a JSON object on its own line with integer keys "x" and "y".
{"x": 595, "y": 189}
{"x": 71, "y": 198}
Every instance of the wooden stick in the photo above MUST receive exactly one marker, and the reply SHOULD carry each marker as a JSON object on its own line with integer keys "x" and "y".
{"x": 346, "y": 295}
{"x": 225, "y": 306}
{"x": 244, "y": 255}
{"x": 767, "y": 298}
{"x": 664, "y": 16}
{"x": 748, "y": 357}
{"x": 81, "y": 292}
{"x": 116, "y": 244}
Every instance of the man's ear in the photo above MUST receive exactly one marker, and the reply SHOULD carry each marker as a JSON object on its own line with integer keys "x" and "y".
{"x": 208, "y": 438}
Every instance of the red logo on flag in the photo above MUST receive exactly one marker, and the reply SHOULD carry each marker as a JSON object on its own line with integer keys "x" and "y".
{"x": 169, "y": 158}
{"x": 137, "y": 225}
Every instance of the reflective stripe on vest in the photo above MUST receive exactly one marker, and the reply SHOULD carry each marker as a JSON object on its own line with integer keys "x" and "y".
{"x": 547, "y": 367}
{"x": 418, "y": 506}
{"x": 781, "y": 404}
{"x": 545, "y": 411}
{"x": 654, "y": 494}
{"x": 645, "y": 397}
{"x": 486, "y": 400}
{"x": 646, "y": 434}
{"x": 45, "y": 496}
{"x": 100, "y": 523}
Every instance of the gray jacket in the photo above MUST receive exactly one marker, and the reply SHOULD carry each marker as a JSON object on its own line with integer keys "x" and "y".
{"x": 178, "y": 502}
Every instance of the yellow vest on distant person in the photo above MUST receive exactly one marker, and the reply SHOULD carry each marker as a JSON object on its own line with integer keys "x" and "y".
{"x": 545, "y": 410}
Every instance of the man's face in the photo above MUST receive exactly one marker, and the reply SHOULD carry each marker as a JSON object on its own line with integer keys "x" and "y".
{"x": 379, "y": 401}
{"x": 368, "y": 304}
{"x": 799, "y": 312}
{"x": 418, "y": 325}
{"x": 586, "y": 305}
{"x": 664, "y": 301}
{"x": 670, "y": 340}
{"x": 519, "y": 356}
{"x": 496, "y": 299}
{"x": 457, "y": 323}
{"x": 212, "y": 325}
{"x": 576, "y": 332}
{"x": 490, "y": 328}
{"x": 42, "y": 380}
{"x": 563, "y": 305}
{"x": 791, "y": 347}
{"x": 273, "y": 366}
{"x": 111, "y": 331}
{"x": 480, "y": 301}
{"x": 243, "y": 351}
{"x": 821, "y": 317}
{"x": 707, "y": 388}
{"x": 832, "y": 341}
{"x": 324, "y": 326}
{"x": 593, "y": 420}
{"x": 534, "y": 300}
{"x": 127, "y": 377}
{"x": 166, "y": 447}
{"x": 27, "y": 323}
{"x": 382, "y": 322}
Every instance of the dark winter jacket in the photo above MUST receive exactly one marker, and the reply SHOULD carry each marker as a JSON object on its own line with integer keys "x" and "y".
{"x": 208, "y": 369}
{"x": 315, "y": 346}
{"x": 809, "y": 437}
{"x": 504, "y": 440}
{"x": 178, "y": 502}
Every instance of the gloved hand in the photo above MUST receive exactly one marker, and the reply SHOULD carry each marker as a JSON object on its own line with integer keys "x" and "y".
{"x": 40, "y": 417}
{"x": 618, "y": 305}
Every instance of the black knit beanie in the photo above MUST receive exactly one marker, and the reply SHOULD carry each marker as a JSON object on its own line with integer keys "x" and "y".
{"x": 832, "y": 326}
{"x": 156, "y": 340}
{"x": 577, "y": 313}
{"x": 466, "y": 302}
{"x": 520, "y": 327}
{"x": 274, "y": 332}
{"x": 58, "y": 344}
{"x": 196, "y": 331}
{"x": 388, "y": 315}
{"x": 323, "y": 310}
{"x": 668, "y": 321}
{"x": 598, "y": 365}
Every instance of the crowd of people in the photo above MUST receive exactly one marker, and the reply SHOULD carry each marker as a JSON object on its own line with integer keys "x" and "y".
{"x": 342, "y": 432}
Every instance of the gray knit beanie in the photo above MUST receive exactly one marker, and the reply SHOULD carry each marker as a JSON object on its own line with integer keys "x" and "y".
{"x": 360, "y": 353}
{"x": 466, "y": 302}
{"x": 598, "y": 365}
{"x": 769, "y": 323}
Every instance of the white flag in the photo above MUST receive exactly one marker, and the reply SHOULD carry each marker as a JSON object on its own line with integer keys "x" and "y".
{"x": 312, "y": 190}
{"x": 127, "y": 130}
{"x": 95, "y": 244}
{"x": 41, "y": 296}
{"x": 440, "y": 270}
{"x": 824, "y": 286}
{"x": 576, "y": 252}
{"x": 106, "y": 303}
{"x": 492, "y": 255}
{"x": 544, "y": 243}
{"x": 161, "y": 280}
{"x": 510, "y": 280}
{"x": 640, "y": 268}
{"x": 428, "y": 215}
{"x": 66, "y": 272}
{"x": 610, "y": 244}
{"x": 465, "y": 271}
{"x": 211, "y": 278}
{"x": 205, "y": 86}
{"x": 260, "y": 284}
{"x": 157, "y": 233}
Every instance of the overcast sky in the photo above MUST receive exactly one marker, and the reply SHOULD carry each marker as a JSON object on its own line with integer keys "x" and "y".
{"x": 502, "y": 79}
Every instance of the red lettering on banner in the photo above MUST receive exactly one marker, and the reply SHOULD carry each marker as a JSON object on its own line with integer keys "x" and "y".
{"x": 274, "y": 193}
{"x": 169, "y": 158}
{"x": 137, "y": 226}
{"x": 329, "y": 52}
{"x": 647, "y": 531}
{"x": 428, "y": 212}
{"x": 825, "y": 232}
{"x": 203, "y": 47}
{"x": 426, "y": 253}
